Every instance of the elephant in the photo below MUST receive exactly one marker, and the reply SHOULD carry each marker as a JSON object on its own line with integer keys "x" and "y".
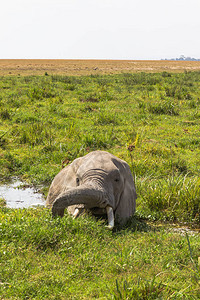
{"x": 99, "y": 182}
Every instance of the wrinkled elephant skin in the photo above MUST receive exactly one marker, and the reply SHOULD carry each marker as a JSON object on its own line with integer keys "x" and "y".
{"x": 99, "y": 182}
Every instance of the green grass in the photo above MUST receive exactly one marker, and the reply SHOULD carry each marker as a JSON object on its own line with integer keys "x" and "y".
{"x": 42, "y": 258}
{"x": 150, "y": 120}
{"x": 48, "y": 120}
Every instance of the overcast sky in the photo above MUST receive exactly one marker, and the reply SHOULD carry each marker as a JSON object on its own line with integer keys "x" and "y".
{"x": 99, "y": 29}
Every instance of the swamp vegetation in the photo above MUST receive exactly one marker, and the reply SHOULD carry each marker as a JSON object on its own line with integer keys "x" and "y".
{"x": 152, "y": 121}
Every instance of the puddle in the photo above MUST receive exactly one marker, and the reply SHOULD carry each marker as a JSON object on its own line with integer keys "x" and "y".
{"x": 17, "y": 196}
{"x": 183, "y": 230}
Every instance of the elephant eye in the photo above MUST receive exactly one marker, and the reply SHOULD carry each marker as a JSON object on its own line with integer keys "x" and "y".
{"x": 77, "y": 181}
{"x": 116, "y": 179}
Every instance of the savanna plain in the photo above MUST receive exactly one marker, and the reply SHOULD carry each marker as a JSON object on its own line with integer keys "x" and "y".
{"x": 149, "y": 119}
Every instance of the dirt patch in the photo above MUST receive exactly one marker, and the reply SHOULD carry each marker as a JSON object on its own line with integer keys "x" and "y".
{"x": 26, "y": 67}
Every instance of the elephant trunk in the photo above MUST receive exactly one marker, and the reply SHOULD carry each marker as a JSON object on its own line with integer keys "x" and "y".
{"x": 90, "y": 196}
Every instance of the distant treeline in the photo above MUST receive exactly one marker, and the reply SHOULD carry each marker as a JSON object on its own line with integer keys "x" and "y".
{"x": 182, "y": 57}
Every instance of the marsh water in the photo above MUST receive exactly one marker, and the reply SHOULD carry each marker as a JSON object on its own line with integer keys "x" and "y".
{"x": 18, "y": 195}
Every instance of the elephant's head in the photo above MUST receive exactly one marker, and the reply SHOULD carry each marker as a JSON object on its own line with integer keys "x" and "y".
{"x": 99, "y": 182}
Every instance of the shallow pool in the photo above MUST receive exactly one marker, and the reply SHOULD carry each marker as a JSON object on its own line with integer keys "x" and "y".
{"x": 17, "y": 196}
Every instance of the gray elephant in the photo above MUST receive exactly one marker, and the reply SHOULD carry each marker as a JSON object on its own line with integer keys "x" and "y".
{"x": 99, "y": 182}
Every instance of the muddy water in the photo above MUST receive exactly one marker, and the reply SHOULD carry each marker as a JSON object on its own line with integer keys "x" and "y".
{"x": 17, "y": 196}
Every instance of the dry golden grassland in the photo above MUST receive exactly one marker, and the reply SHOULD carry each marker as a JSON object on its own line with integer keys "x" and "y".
{"x": 26, "y": 67}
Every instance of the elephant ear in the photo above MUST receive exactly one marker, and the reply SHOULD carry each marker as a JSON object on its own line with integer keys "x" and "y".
{"x": 127, "y": 202}
{"x": 65, "y": 179}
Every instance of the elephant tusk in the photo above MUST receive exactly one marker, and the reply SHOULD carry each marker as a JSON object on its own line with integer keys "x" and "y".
{"x": 110, "y": 215}
{"x": 76, "y": 213}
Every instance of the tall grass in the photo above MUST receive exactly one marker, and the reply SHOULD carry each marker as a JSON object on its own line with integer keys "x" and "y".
{"x": 175, "y": 198}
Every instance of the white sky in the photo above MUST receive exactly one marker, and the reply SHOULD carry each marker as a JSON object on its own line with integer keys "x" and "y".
{"x": 101, "y": 29}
